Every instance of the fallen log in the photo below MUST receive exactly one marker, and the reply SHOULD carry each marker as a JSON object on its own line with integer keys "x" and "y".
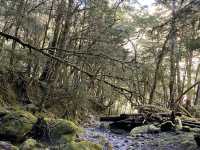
{"x": 127, "y": 124}
{"x": 191, "y": 124}
{"x": 121, "y": 117}
{"x": 134, "y": 116}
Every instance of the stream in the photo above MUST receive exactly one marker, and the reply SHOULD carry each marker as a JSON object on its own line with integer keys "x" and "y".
{"x": 178, "y": 140}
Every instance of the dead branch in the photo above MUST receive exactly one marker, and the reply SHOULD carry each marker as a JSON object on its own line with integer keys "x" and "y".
{"x": 64, "y": 61}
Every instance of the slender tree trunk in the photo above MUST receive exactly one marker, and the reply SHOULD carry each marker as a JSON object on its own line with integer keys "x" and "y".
{"x": 19, "y": 16}
{"x": 172, "y": 56}
{"x": 189, "y": 77}
{"x": 197, "y": 98}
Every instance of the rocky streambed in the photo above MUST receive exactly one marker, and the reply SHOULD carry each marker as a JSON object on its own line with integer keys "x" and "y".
{"x": 143, "y": 139}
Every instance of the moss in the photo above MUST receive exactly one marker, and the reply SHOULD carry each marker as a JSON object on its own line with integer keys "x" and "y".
{"x": 84, "y": 145}
{"x": 61, "y": 129}
{"x": 31, "y": 144}
{"x": 68, "y": 138}
{"x": 16, "y": 124}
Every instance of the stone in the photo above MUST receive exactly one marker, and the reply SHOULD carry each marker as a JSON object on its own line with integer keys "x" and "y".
{"x": 178, "y": 123}
{"x": 7, "y": 146}
{"x": 167, "y": 126}
{"x": 197, "y": 139}
{"x": 186, "y": 129}
{"x": 61, "y": 130}
{"x": 146, "y": 129}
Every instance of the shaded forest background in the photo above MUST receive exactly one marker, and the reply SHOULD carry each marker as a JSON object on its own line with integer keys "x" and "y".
{"x": 75, "y": 57}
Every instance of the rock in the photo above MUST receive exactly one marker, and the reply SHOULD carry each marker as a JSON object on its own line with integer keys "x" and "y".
{"x": 84, "y": 145}
{"x": 104, "y": 126}
{"x": 31, "y": 144}
{"x": 167, "y": 126}
{"x": 61, "y": 130}
{"x": 186, "y": 129}
{"x": 146, "y": 129}
{"x": 118, "y": 131}
{"x": 14, "y": 125}
{"x": 7, "y": 146}
{"x": 197, "y": 139}
{"x": 178, "y": 123}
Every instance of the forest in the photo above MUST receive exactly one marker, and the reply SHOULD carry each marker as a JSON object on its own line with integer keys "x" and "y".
{"x": 99, "y": 74}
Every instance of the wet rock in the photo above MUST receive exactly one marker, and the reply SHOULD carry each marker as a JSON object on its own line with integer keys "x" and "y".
{"x": 186, "y": 129}
{"x": 7, "y": 146}
{"x": 118, "y": 131}
{"x": 167, "y": 126}
{"x": 104, "y": 126}
{"x": 197, "y": 139}
{"x": 146, "y": 129}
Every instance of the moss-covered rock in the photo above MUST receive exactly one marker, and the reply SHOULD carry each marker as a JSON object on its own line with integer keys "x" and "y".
{"x": 31, "y": 144}
{"x": 15, "y": 124}
{"x": 62, "y": 131}
{"x": 7, "y": 146}
{"x": 84, "y": 145}
{"x": 146, "y": 129}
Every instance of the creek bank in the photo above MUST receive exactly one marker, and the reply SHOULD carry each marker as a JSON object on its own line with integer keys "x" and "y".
{"x": 21, "y": 130}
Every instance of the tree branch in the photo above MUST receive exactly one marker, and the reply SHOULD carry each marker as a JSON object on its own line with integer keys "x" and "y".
{"x": 7, "y": 36}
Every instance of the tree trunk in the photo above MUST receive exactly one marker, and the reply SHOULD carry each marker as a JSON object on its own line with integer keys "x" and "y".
{"x": 189, "y": 77}
{"x": 197, "y": 99}
{"x": 172, "y": 56}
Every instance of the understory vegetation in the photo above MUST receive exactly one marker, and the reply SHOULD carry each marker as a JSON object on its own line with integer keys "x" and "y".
{"x": 72, "y": 58}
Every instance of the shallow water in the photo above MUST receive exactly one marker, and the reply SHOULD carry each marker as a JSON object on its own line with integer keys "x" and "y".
{"x": 160, "y": 141}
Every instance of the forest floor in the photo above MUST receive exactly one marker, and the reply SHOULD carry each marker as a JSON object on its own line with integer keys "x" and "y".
{"x": 177, "y": 140}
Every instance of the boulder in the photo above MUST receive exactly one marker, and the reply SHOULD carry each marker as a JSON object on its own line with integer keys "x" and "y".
{"x": 31, "y": 144}
{"x": 146, "y": 129}
{"x": 62, "y": 131}
{"x": 7, "y": 146}
{"x": 167, "y": 126}
{"x": 197, "y": 139}
{"x": 15, "y": 124}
